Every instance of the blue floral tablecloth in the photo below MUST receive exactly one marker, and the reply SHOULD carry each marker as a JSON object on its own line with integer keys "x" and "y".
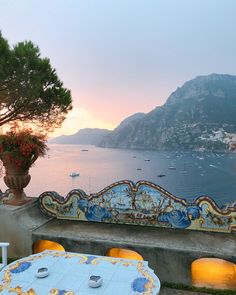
{"x": 69, "y": 274}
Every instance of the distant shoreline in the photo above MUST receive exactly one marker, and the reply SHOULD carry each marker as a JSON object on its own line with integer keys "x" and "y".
{"x": 145, "y": 149}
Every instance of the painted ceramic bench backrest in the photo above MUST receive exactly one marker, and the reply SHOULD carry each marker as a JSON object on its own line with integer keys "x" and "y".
{"x": 143, "y": 203}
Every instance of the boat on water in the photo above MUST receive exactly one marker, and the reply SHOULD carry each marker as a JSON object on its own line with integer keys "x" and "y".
{"x": 211, "y": 165}
{"x": 161, "y": 175}
{"x": 84, "y": 150}
{"x": 147, "y": 160}
{"x": 184, "y": 171}
{"x": 139, "y": 168}
{"x": 172, "y": 168}
{"x": 74, "y": 174}
{"x": 200, "y": 158}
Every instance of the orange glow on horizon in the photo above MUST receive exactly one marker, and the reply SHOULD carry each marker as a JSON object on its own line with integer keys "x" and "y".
{"x": 80, "y": 118}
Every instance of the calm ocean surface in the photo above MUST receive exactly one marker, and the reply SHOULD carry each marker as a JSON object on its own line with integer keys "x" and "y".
{"x": 187, "y": 174}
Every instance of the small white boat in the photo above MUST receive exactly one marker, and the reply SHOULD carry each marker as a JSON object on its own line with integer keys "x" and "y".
{"x": 211, "y": 165}
{"x": 172, "y": 168}
{"x": 200, "y": 158}
{"x": 74, "y": 174}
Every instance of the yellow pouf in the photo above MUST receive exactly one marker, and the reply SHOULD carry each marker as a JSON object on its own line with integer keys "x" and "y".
{"x": 213, "y": 273}
{"x": 42, "y": 245}
{"x": 124, "y": 253}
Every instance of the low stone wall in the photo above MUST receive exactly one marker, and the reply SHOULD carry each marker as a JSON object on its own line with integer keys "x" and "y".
{"x": 17, "y": 224}
{"x": 169, "y": 252}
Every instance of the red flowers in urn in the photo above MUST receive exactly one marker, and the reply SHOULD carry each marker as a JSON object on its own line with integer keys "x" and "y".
{"x": 19, "y": 149}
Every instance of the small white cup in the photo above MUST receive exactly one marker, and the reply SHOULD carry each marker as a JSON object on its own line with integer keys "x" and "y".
{"x": 42, "y": 272}
{"x": 95, "y": 281}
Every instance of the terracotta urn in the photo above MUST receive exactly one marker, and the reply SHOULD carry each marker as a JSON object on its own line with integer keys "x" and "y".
{"x": 17, "y": 179}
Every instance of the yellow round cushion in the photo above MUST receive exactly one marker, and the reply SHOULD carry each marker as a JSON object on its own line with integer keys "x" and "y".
{"x": 42, "y": 245}
{"x": 213, "y": 273}
{"x": 124, "y": 253}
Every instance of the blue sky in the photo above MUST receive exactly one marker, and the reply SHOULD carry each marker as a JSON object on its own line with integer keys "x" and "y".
{"x": 125, "y": 56}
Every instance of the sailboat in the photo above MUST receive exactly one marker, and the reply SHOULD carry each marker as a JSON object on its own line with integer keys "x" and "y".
{"x": 120, "y": 202}
{"x": 184, "y": 170}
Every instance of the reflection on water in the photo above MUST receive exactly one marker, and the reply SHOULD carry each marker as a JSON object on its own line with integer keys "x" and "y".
{"x": 184, "y": 174}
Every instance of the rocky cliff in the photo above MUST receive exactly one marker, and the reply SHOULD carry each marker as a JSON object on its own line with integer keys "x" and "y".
{"x": 199, "y": 115}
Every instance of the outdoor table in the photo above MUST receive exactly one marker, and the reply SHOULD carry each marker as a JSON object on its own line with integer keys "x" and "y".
{"x": 69, "y": 274}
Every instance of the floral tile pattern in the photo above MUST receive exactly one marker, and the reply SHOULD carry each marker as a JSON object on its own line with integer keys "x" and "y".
{"x": 143, "y": 203}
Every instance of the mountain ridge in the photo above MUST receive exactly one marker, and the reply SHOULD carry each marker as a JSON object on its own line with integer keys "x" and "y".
{"x": 84, "y": 136}
{"x": 198, "y": 115}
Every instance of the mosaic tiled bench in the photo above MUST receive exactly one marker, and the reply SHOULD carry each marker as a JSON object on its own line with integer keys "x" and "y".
{"x": 143, "y": 203}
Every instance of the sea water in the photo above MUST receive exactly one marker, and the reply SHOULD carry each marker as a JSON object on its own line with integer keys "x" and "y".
{"x": 184, "y": 174}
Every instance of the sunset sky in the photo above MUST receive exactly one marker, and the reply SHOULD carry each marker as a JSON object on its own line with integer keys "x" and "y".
{"x": 125, "y": 56}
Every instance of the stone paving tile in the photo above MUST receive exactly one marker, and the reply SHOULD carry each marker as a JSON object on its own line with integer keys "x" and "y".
{"x": 168, "y": 291}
